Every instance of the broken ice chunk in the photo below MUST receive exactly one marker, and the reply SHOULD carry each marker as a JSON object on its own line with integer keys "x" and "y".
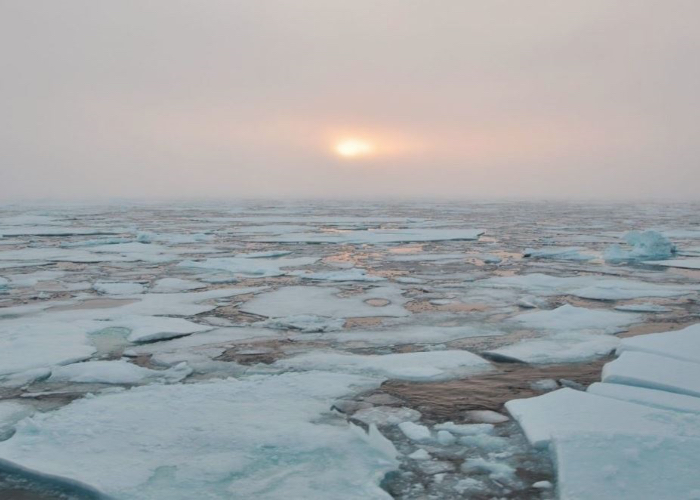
{"x": 647, "y": 245}
{"x": 386, "y": 415}
{"x": 415, "y": 432}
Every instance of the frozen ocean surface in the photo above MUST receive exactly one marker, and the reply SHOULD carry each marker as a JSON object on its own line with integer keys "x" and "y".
{"x": 350, "y": 350}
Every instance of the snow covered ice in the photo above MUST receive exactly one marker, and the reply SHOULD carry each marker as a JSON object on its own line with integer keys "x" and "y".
{"x": 371, "y": 351}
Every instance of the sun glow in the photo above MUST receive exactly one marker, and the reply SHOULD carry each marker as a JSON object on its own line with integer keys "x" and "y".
{"x": 353, "y": 148}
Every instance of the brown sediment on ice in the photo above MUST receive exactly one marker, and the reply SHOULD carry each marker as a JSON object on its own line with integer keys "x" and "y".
{"x": 266, "y": 352}
{"x": 94, "y": 304}
{"x": 419, "y": 306}
{"x": 656, "y": 327}
{"x": 363, "y": 322}
{"x": 448, "y": 400}
{"x": 376, "y": 302}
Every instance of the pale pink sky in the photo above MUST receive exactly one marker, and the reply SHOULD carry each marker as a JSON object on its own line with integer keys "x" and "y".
{"x": 461, "y": 98}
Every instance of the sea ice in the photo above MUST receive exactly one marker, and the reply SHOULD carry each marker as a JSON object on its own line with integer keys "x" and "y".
{"x": 171, "y": 441}
{"x": 571, "y": 318}
{"x": 644, "y": 308}
{"x": 30, "y": 345}
{"x": 415, "y": 432}
{"x": 150, "y": 328}
{"x": 39, "y": 337}
{"x": 647, "y": 245}
{"x": 418, "y": 366}
{"x": 681, "y": 344}
{"x": 420, "y": 454}
{"x": 173, "y": 285}
{"x": 386, "y": 415}
{"x": 318, "y": 301}
{"x": 464, "y": 429}
{"x": 353, "y": 274}
{"x": 586, "y": 287}
{"x": 566, "y": 413}
{"x": 626, "y": 466}
{"x": 119, "y": 288}
{"x": 654, "y": 372}
{"x": 446, "y": 438}
{"x": 680, "y": 263}
{"x": 305, "y": 323}
{"x": 649, "y": 397}
{"x": 560, "y": 253}
{"x": 559, "y": 348}
{"x": 116, "y": 372}
{"x": 497, "y": 471}
{"x": 412, "y": 334}
{"x": 485, "y": 416}
{"x": 12, "y": 412}
{"x": 378, "y": 236}
{"x": 250, "y": 267}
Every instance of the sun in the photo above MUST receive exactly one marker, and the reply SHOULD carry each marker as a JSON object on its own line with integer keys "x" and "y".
{"x": 353, "y": 148}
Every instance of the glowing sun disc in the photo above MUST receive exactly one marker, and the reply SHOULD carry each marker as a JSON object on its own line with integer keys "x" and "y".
{"x": 351, "y": 148}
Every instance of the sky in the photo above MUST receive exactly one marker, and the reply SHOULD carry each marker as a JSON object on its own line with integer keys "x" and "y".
{"x": 454, "y": 99}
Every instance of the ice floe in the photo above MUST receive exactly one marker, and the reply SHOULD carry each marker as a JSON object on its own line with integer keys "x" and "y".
{"x": 643, "y": 308}
{"x": 679, "y": 263}
{"x": 316, "y": 301}
{"x": 419, "y": 366}
{"x": 412, "y": 334}
{"x": 306, "y": 323}
{"x": 173, "y": 285}
{"x": 250, "y": 267}
{"x": 119, "y": 288}
{"x": 654, "y": 372}
{"x": 39, "y": 337}
{"x": 171, "y": 442}
{"x": 12, "y": 412}
{"x": 386, "y": 415}
{"x": 568, "y": 413}
{"x": 586, "y": 287}
{"x": 571, "y": 318}
{"x": 649, "y": 397}
{"x": 626, "y": 466}
{"x": 353, "y": 274}
{"x": 415, "y": 432}
{"x": 567, "y": 347}
{"x": 116, "y": 372}
{"x": 681, "y": 344}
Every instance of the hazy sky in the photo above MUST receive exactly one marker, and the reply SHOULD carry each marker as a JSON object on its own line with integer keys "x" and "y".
{"x": 457, "y": 98}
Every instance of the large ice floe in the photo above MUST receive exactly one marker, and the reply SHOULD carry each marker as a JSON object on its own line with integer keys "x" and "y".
{"x": 44, "y": 338}
{"x": 573, "y": 334}
{"x": 649, "y": 406}
{"x": 587, "y": 287}
{"x": 128, "y": 445}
